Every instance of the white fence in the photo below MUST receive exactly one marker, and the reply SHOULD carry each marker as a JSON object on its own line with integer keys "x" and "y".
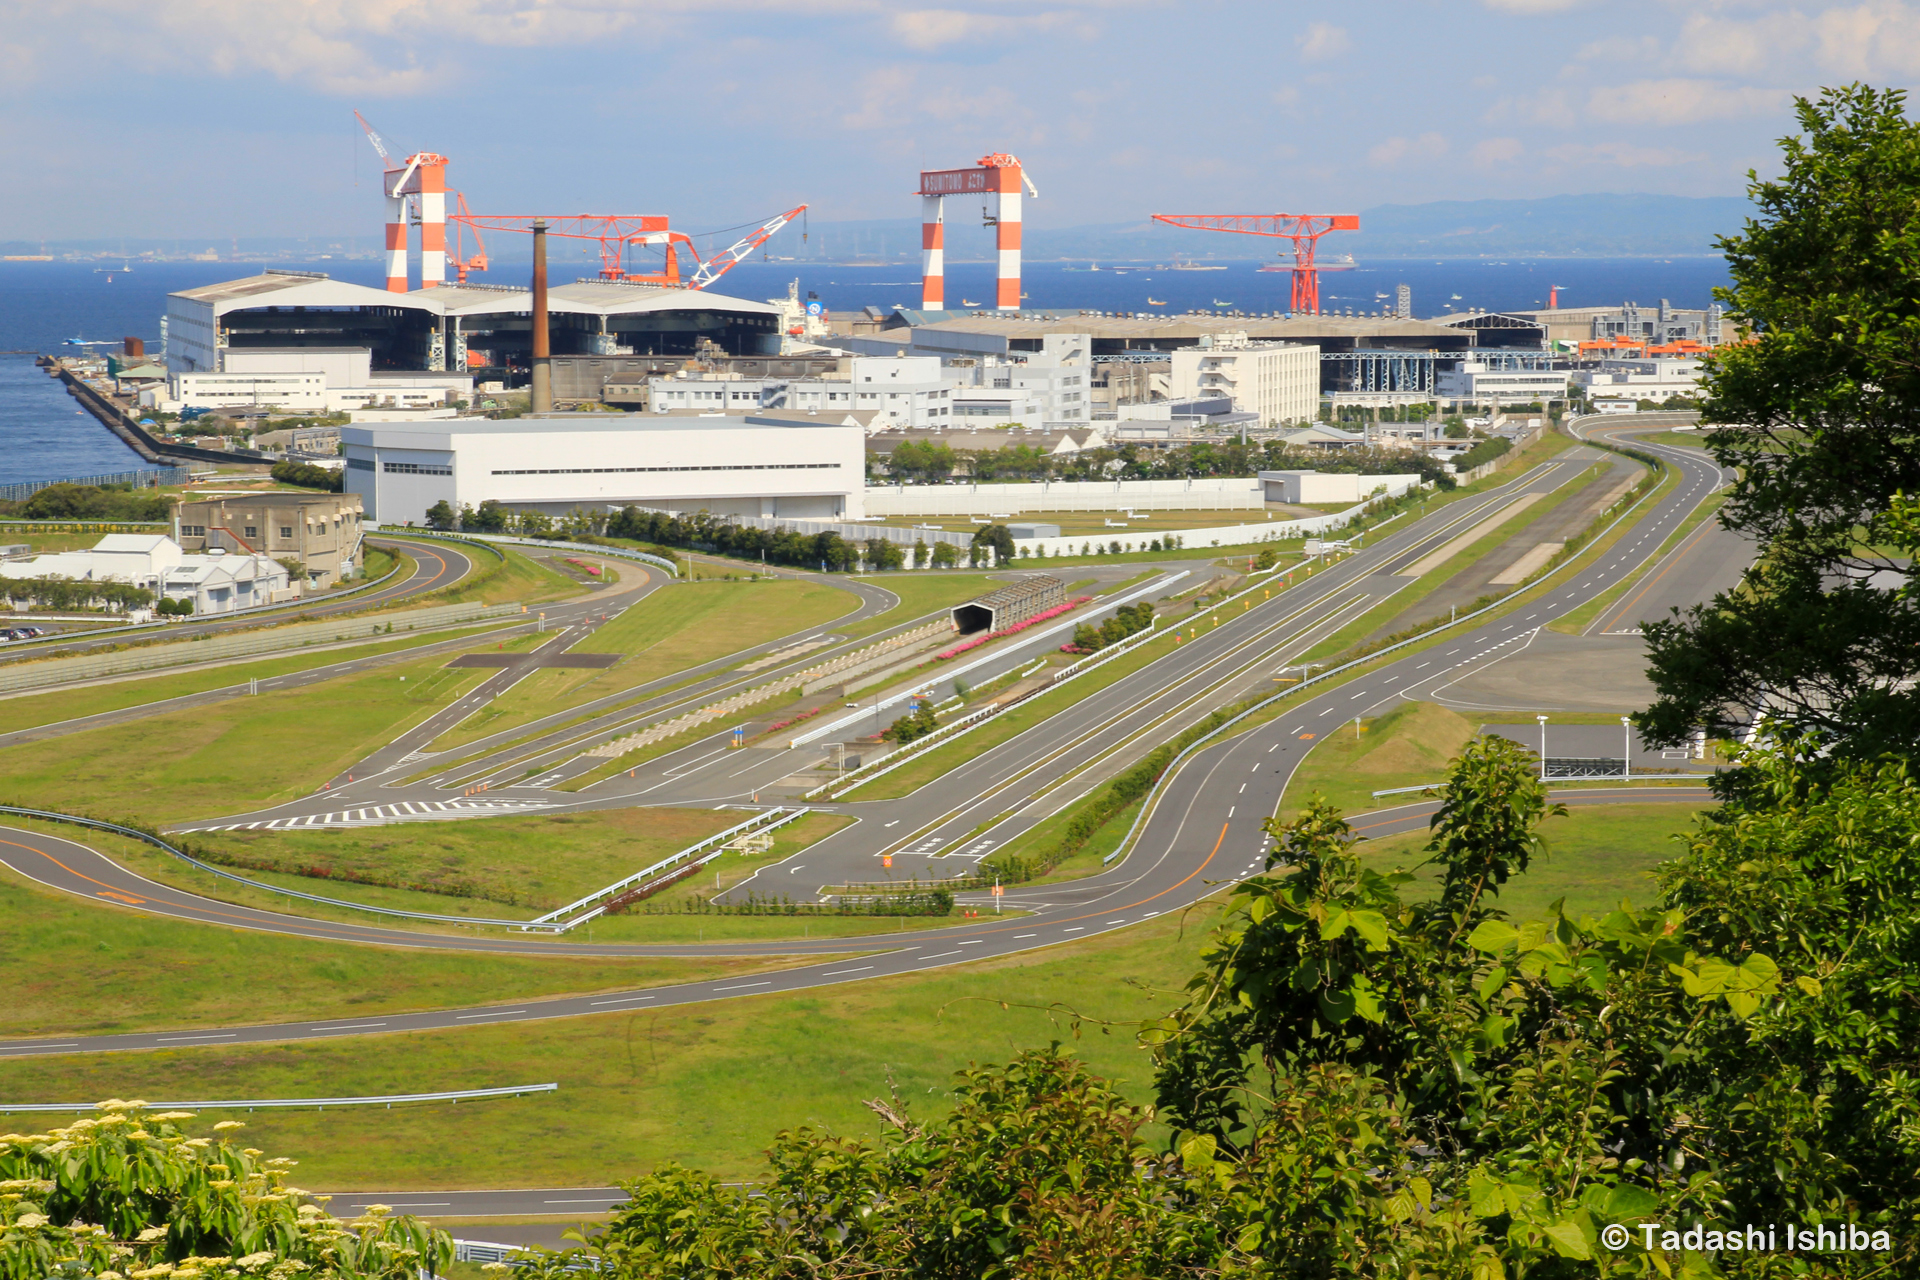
{"x": 1211, "y": 493}
{"x": 318, "y": 1104}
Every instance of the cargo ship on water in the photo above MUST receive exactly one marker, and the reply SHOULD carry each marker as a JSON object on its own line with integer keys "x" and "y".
{"x": 1338, "y": 262}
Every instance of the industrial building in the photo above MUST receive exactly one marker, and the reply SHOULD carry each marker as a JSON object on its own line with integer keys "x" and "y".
{"x": 213, "y": 583}
{"x": 1277, "y": 382}
{"x": 1661, "y": 324}
{"x": 1656, "y": 379}
{"x": 1486, "y": 382}
{"x": 773, "y": 466}
{"x": 482, "y": 330}
{"x": 322, "y": 531}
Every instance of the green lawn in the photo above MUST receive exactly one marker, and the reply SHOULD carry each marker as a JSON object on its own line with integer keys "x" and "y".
{"x": 535, "y": 863}
{"x": 68, "y": 704}
{"x": 1595, "y": 858}
{"x": 515, "y": 578}
{"x": 706, "y": 1084}
{"x": 1408, "y": 746}
{"x": 667, "y": 631}
{"x": 238, "y": 754}
{"x": 88, "y": 968}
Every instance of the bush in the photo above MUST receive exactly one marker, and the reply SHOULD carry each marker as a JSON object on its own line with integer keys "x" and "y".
{"x": 308, "y": 476}
{"x": 92, "y": 502}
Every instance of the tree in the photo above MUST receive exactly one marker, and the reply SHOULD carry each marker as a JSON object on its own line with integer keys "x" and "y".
{"x": 308, "y": 476}
{"x": 440, "y": 515}
{"x": 998, "y": 538}
{"x": 491, "y": 517}
{"x": 917, "y": 723}
{"x": 1816, "y": 419}
{"x": 945, "y": 555}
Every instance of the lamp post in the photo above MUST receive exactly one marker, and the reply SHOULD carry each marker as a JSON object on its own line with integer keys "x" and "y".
{"x": 1543, "y": 747}
{"x": 1626, "y": 748}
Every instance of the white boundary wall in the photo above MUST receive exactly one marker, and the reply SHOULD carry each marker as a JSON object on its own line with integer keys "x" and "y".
{"x": 1211, "y": 493}
{"x": 1200, "y": 540}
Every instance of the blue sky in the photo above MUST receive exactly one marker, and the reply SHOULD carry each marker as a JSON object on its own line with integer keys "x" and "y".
{"x": 219, "y": 117}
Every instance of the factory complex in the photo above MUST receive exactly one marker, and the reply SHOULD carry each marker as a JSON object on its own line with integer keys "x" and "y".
{"x": 655, "y": 389}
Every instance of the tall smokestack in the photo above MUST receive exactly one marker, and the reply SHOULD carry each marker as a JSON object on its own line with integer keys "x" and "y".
{"x": 542, "y": 399}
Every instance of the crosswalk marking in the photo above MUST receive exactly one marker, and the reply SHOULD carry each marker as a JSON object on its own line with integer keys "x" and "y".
{"x": 378, "y": 815}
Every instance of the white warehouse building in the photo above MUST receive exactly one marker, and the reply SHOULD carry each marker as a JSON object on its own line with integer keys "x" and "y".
{"x": 751, "y": 466}
{"x": 1476, "y": 383}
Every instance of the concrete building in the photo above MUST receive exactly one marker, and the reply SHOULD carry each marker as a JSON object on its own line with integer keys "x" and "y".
{"x": 770, "y": 466}
{"x": 1477, "y": 382}
{"x": 215, "y": 582}
{"x": 1303, "y": 488}
{"x": 1278, "y": 382}
{"x": 1655, "y": 379}
{"x": 320, "y": 530}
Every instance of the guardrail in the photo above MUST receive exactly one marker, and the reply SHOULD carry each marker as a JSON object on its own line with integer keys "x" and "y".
{"x": 59, "y": 670}
{"x": 623, "y": 553}
{"x": 1424, "y": 637}
{"x": 319, "y": 1104}
{"x": 766, "y": 821}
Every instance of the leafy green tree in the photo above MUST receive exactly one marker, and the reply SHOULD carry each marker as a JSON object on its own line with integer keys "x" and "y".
{"x": 1817, "y": 419}
{"x": 945, "y": 555}
{"x": 440, "y": 515}
{"x": 998, "y": 539}
{"x": 308, "y": 476}
{"x": 916, "y": 724}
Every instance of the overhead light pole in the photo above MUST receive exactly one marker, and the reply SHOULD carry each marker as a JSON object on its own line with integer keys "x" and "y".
{"x": 1626, "y": 747}
{"x": 1543, "y": 747}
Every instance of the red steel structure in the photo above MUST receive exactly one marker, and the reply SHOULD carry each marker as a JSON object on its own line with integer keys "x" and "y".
{"x": 421, "y": 181}
{"x": 998, "y": 175}
{"x": 1304, "y": 229}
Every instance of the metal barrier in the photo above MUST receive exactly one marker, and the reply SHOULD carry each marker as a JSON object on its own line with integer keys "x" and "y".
{"x": 762, "y": 822}
{"x": 58, "y": 670}
{"x": 320, "y": 1104}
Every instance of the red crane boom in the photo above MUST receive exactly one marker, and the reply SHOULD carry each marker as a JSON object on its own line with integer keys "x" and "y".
{"x": 1304, "y": 229}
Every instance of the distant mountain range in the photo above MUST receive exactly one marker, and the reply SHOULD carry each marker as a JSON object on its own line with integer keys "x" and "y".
{"x": 1554, "y": 227}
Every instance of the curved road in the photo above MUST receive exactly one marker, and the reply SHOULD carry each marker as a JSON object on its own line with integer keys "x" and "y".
{"x": 1194, "y": 838}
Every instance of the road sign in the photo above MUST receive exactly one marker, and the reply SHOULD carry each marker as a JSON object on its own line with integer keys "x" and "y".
{"x": 999, "y": 889}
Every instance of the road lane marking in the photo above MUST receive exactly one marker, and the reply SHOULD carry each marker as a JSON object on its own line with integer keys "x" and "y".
{"x": 744, "y": 985}
{"x": 623, "y": 1000}
{"x": 495, "y": 1013}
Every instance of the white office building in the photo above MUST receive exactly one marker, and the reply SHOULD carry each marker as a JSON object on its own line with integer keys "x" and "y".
{"x": 1655, "y": 379}
{"x": 216, "y": 582}
{"x": 770, "y": 466}
{"x": 1475, "y": 382}
{"x": 1277, "y": 381}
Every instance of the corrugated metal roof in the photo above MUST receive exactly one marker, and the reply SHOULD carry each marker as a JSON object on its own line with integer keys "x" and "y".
{"x": 585, "y": 298}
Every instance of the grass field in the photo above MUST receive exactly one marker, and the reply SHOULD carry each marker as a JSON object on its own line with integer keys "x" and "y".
{"x": 86, "y": 968}
{"x": 666, "y": 631}
{"x": 33, "y": 709}
{"x": 232, "y": 755}
{"x": 536, "y": 862}
{"x": 707, "y": 1084}
{"x": 1409, "y": 745}
{"x": 1596, "y": 857}
{"x": 517, "y": 579}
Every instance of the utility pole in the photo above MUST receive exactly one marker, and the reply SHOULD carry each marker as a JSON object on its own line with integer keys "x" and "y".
{"x": 541, "y": 392}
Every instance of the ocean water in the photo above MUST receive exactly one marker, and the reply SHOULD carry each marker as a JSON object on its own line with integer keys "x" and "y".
{"x": 43, "y": 304}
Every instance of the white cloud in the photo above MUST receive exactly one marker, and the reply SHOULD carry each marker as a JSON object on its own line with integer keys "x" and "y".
{"x": 1493, "y": 151}
{"x": 1322, "y": 41}
{"x": 1869, "y": 42}
{"x": 1679, "y": 101}
{"x": 1394, "y": 150}
{"x": 930, "y": 29}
